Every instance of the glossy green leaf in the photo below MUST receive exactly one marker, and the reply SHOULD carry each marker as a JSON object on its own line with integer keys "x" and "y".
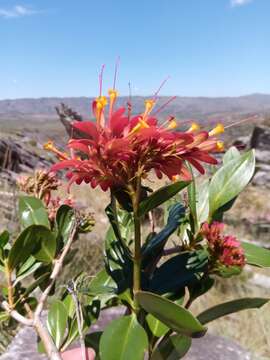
{"x": 101, "y": 284}
{"x": 157, "y": 328}
{"x": 32, "y": 211}
{"x": 48, "y": 247}
{"x": 4, "y": 237}
{"x": 29, "y": 242}
{"x": 90, "y": 315}
{"x": 28, "y": 268}
{"x": 228, "y": 271}
{"x": 35, "y": 284}
{"x": 57, "y": 322}
{"x": 192, "y": 199}
{"x": 69, "y": 304}
{"x": 92, "y": 340}
{"x": 179, "y": 271}
{"x": 174, "y": 316}
{"x": 231, "y": 154}
{"x": 202, "y": 196}
{"x": 256, "y": 255}
{"x": 124, "y": 338}
{"x": 230, "y": 180}
{"x": 155, "y": 245}
{"x": 230, "y": 307}
{"x": 65, "y": 219}
{"x": 161, "y": 196}
{"x": 173, "y": 348}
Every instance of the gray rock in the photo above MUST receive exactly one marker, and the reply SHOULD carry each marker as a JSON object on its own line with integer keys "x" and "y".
{"x": 210, "y": 347}
{"x": 261, "y": 138}
{"x": 263, "y": 158}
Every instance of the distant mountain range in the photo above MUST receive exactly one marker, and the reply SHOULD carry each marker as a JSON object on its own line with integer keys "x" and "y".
{"x": 182, "y": 107}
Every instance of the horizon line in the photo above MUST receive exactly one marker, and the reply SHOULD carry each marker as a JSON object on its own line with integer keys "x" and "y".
{"x": 137, "y": 95}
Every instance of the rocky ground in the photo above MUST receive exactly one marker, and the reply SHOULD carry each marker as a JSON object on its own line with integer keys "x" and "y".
{"x": 210, "y": 347}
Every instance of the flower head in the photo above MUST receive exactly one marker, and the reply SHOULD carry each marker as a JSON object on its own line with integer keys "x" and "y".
{"x": 115, "y": 151}
{"x": 226, "y": 249}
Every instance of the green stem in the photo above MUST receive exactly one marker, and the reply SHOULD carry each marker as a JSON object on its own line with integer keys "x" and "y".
{"x": 9, "y": 285}
{"x": 137, "y": 243}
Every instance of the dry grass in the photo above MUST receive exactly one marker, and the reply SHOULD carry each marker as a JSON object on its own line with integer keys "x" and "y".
{"x": 250, "y": 328}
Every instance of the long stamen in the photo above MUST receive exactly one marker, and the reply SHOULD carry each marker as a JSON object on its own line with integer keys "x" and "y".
{"x": 242, "y": 121}
{"x": 101, "y": 79}
{"x": 164, "y": 105}
{"x": 49, "y": 146}
{"x": 161, "y": 86}
{"x": 129, "y": 103}
{"x": 116, "y": 71}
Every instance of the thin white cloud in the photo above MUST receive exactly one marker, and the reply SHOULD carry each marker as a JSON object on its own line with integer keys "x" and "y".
{"x": 16, "y": 12}
{"x": 240, "y": 2}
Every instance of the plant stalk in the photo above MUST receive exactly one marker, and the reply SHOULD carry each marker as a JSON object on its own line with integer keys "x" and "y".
{"x": 9, "y": 285}
{"x": 137, "y": 243}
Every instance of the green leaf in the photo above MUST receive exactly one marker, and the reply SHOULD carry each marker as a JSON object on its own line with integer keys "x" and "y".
{"x": 124, "y": 338}
{"x": 90, "y": 315}
{"x": 29, "y": 242}
{"x": 160, "y": 196}
{"x": 65, "y": 219}
{"x": 4, "y": 237}
{"x": 69, "y": 304}
{"x": 173, "y": 348}
{"x": 48, "y": 248}
{"x": 4, "y": 316}
{"x": 174, "y": 316}
{"x": 201, "y": 287}
{"x": 157, "y": 328}
{"x": 228, "y": 271}
{"x": 256, "y": 255}
{"x": 28, "y": 268}
{"x": 230, "y": 180}
{"x": 230, "y": 307}
{"x": 35, "y": 284}
{"x": 155, "y": 246}
{"x": 192, "y": 199}
{"x": 202, "y": 192}
{"x": 102, "y": 283}
{"x": 179, "y": 271}
{"x": 92, "y": 340}
{"x": 57, "y": 322}
{"x": 32, "y": 211}
{"x": 231, "y": 154}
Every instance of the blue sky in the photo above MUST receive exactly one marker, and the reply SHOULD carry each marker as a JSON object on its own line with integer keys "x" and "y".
{"x": 208, "y": 47}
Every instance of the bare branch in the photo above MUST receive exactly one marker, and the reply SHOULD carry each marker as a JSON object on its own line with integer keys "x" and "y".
{"x": 56, "y": 270}
{"x": 15, "y": 315}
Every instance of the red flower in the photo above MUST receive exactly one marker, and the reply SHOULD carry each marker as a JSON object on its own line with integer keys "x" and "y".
{"x": 114, "y": 153}
{"x": 226, "y": 249}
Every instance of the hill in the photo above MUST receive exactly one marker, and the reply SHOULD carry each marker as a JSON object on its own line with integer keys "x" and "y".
{"x": 182, "y": 107}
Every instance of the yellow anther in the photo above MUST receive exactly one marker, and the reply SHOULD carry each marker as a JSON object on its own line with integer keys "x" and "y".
{"x": 113, "y": 94}
{"x": 219, "y": 129}
{"x": 220, "y": 145}
{"x": 101, "y": 102}
{"x": 141, "y": 125}
{"x": 175, "y": 178}
{"x": 194, "y": 127}
{"x": 48, "y": 145}
{"x": 172, "y": 125}
{"x": 149, "y": 104}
